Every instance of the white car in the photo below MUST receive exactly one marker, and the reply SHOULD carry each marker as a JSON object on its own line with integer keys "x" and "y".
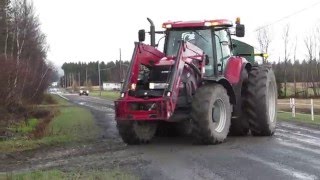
{"x": 84, "y": 92}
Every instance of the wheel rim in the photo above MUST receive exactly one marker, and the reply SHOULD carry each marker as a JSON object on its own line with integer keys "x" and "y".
{"x": 271, "y": 102}
{"x": 219, "y": 115}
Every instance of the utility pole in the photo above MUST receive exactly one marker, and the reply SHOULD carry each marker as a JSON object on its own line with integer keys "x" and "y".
{"x": 120, "y": 74}
{"x": 86, "y": 76}
{"x": 99, "y": 77}
{"x": 79, "y": 79}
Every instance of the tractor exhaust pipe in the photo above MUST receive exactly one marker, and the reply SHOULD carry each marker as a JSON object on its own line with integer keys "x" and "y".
{"x": 152, "y": 33}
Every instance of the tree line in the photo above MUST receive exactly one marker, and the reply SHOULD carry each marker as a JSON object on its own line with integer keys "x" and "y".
{"x": 87, "y": 74}
{"x": 25, "y": 72}
{"x": 298, "y": 79}
{"x": 295, "y": 78}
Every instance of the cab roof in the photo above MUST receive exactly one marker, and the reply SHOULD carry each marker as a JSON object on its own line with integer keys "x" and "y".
{"x": 203, "y": 23}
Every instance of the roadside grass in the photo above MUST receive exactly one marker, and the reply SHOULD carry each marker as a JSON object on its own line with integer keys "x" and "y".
{"x": 25, "y": 127}
{"x": 60, "y": 101}
{"x": 111, "y": 95}
{"x": 71, "y": 124}
{"x": 56, "y": 174}
{"x": 304, "y": 118}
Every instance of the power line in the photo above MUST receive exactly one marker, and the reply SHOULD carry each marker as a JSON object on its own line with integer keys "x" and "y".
{"x": 288, "y": 16}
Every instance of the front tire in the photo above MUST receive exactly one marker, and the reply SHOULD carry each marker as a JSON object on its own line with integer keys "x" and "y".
{"x": 136, "y": 132}
{"x": 211, "y": 114}
{"x": 262, "y": 101}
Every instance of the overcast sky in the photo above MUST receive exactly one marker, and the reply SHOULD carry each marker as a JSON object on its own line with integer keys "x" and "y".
{"x": 82, "y": 30}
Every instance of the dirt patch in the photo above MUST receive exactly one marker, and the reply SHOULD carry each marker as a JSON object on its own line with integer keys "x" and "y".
{"x": 42, "y": 127}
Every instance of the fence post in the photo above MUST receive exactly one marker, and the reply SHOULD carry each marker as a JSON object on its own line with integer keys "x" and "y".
{"x": 293, "y": 108}
{"x": 312, "y": 113}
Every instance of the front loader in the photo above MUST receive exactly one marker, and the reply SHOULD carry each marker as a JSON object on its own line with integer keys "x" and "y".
{"x": 201, "y": 84}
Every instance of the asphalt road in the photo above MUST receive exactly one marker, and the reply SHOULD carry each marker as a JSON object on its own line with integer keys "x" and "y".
{"x": 292, "y": 153}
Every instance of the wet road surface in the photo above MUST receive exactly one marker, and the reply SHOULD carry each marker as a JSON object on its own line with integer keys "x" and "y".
{"x": 292, "y": 153}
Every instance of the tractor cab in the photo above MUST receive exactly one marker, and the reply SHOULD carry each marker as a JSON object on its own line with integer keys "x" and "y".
{"x": 213, "y": 37}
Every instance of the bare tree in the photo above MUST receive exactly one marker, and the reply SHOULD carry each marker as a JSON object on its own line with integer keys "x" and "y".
{"x": 286, "y": 40}
{"x": 309, "y": 42}
{"x": 26, "y": 72}
{"x": 317, "y": 55}
{"x": 294, "y": 68}
{"x": 264, "y": 40}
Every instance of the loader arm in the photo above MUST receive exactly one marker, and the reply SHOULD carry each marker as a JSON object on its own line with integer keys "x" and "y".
{"x": 187, "y": 54}
{"x": 150, "y": 106}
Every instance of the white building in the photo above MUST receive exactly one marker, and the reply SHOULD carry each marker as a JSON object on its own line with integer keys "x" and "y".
{"x": 54, "y": 84}
{"x": 111, "y": 86}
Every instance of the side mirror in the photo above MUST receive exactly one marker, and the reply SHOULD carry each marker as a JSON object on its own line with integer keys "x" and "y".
{"x": 240, "y": 30}
{"x": 142, "y": 35}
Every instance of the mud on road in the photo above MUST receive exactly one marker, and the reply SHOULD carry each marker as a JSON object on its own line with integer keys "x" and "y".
{"x": 292, "y": 153}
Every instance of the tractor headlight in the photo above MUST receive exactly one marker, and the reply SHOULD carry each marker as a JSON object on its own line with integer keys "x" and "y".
{"x": 81, "y": 91}
{"x": 158, "y": 85}
{"x": 133, "y": 86}
{"x": 151, "y": 85}
{"x": 88, "y": 91}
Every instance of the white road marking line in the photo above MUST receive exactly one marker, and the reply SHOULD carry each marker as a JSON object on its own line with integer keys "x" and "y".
{"x": 63, "y": 97}
{"x": 299, "y": 134}
{"x": 299, "y": 139}
{"x": 283, "y": 168}
{"x": 297, "y": 146}
{"x": 300, "y": 128}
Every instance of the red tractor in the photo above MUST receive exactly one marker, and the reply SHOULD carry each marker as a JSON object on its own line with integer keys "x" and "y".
{"x": 204, "y": 83}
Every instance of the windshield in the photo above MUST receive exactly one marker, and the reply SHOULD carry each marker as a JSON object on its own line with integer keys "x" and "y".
{"x": 201, "y": 38}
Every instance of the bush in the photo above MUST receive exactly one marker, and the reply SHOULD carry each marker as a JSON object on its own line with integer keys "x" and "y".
{"x": 48, "y": 99}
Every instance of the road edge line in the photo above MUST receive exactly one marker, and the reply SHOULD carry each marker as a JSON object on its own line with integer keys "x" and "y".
{"x": 63, "y": 97}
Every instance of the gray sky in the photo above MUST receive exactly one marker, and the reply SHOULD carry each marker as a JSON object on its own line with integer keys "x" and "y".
{"x": 82, "y": 30}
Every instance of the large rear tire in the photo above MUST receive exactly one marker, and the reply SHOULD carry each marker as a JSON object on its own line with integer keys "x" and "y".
{"x": 211, "y": 114}
{"x": 136, "y": 132}
{"x": 262, "y": 101}
{"x": 239, "y": 124}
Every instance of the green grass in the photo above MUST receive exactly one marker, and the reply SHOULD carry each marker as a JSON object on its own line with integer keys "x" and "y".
{"x": 72, "y": 124}
{"x": 56, "y": 174}
{"x": 60, "y": 100}
{"x": 305, "y": 118}
{"x": 112, "y": 95}
{"x": 24, "y": 128}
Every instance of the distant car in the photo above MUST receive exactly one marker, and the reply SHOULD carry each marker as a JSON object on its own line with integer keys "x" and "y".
{"x": 52, "y": 90}
{"x": 83, "y": 92}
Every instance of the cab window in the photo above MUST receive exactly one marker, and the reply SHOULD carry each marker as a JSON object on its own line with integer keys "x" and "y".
{"x": 223, "y": 47}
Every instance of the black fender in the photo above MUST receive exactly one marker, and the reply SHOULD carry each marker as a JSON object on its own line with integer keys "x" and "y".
{"x": 226, "y": 84}
{"x": 239, "y": 88}
{"x": 234, "y": 91}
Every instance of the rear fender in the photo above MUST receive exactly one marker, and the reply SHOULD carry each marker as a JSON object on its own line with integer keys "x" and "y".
{"x": 226, "y": 84}
{"x": 234, "y": 68}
